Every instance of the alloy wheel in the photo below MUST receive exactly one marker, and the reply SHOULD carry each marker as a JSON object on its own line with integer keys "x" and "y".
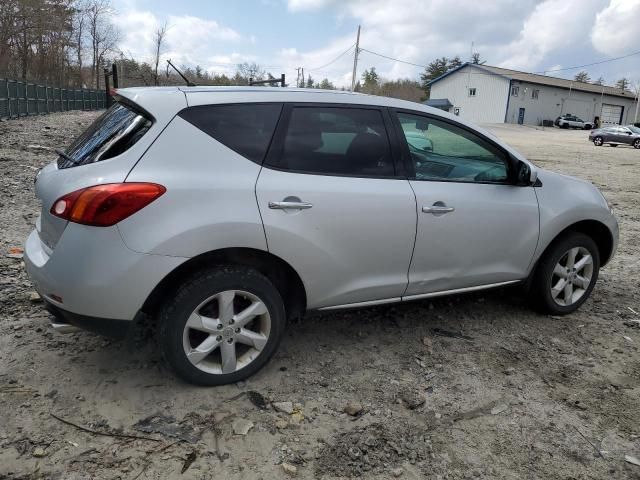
{"x": 636, "y": 144}
{"x": 571, "y": 276}
{"x": 226, "y": 332}
{"x": 597, "y": 141}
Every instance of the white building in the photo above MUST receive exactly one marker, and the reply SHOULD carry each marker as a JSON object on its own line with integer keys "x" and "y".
{"x": 485, "y": 94}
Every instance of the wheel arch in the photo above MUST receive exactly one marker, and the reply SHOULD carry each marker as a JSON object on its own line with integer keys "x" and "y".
{"x": 598, "y": 231}
{"x": 278, "y": 271}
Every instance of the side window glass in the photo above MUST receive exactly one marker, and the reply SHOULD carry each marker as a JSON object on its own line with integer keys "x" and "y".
{"x": 336, "y": 141}
{"x": 246, "y": 128}
{"x": 442, "y": 151}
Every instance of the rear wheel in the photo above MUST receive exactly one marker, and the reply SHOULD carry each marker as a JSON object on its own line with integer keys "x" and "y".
{"x": 597, "y": 141}
{"x": 566, "y": 274}
{"x": 222, "y": 326}
{"x": 636, "y": 143}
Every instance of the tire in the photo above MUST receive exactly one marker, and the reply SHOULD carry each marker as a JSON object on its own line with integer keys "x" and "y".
{"x": 546, "y": 277}
{"x": 241, "y": 289}
{"x": 598, "y": 141}
{"x": 636, "y": 143}
{"x": 564, "y": 125}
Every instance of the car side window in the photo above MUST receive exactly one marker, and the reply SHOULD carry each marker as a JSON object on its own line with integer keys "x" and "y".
{"x": 441, "y": 151}
{"x": 336, "y": 141}
{"x": 246, "y": 128}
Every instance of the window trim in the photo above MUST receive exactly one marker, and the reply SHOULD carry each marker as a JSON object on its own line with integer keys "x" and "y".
{"x": 277, "y": 143}
{"x": 475, "y": 91}
{"x": 511, "y": 162}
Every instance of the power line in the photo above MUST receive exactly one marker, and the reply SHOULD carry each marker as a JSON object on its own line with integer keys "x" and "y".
{"x": 391, "y": 58}
{"x": 591, "y": 64}
{"x": 540, "y": 72}
{"x": 334, "y": 60}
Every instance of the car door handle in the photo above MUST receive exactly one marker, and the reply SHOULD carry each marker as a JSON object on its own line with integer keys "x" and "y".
{"x": 290, "y": 205}
{"x": 437, "y": 209}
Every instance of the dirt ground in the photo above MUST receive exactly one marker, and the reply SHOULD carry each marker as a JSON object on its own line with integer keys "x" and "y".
{"x": 475, "y": 386}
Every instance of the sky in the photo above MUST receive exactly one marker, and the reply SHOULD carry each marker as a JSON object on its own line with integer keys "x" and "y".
{"x": 281, "y": 35}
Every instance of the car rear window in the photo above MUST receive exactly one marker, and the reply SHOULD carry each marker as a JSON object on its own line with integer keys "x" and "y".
{"x": 111, "y": 134}
{"x": 245, "y": 128}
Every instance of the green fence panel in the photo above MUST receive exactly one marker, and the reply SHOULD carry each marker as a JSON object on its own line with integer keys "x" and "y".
{"x": 19, "y": 98}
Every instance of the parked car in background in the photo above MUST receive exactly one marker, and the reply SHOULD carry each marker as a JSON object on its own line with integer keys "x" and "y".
{"x": 615, "y": 135}
{"x": 571, "y": 121}
{"x": 214, "y": 214}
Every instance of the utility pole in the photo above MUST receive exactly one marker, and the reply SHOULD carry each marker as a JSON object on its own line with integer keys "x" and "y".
{"x": 635, "y": 117}
{"x": 303, "y": 84}
{"x": 355, "y": 61}
{"x": 298, "y": 78}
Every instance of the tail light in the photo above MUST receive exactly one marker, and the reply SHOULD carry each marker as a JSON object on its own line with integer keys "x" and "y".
{"x": 106, "y": 205}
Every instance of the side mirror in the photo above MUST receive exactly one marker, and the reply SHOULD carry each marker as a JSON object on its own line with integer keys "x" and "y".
{"x": 526, "y": 175}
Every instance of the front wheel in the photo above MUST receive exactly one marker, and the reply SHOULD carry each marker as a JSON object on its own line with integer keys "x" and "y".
{"x": 636, "y": 143}
{"x": 566, "y": 274}
{"x": 598, "y": 141}
{"x": 222, "y": 326}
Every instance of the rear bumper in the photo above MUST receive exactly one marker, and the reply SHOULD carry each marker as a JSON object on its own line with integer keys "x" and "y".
{"x": 92, "y": 274}
{"x": 103, "y": 326}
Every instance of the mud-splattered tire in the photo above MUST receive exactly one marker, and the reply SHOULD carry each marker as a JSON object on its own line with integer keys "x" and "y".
{"x": 222, "y": 325}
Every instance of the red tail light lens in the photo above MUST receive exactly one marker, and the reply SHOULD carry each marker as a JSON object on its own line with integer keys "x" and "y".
{"x": 106, "y": 205}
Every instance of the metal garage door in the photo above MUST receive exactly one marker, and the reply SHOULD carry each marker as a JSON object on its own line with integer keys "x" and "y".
{"x": 611, "y": 114}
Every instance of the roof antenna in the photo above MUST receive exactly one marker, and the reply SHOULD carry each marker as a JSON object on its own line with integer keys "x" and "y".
{"x": 187, "y": 81}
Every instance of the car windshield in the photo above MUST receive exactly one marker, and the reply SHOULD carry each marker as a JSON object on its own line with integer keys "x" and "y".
{"x": 109, "y": 135}
{"x": 634, "y": 129}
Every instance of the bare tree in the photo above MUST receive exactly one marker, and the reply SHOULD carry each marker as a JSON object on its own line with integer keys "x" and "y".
{"x": 159, "y": 38}
{"x": 250, "y": 70}
{"x": 103, "y": 35}
{"x": 79, "y": 34}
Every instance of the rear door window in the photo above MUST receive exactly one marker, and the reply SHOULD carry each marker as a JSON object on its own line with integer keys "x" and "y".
{"x": 111, "y": 134}
{"x": 245, "y": 128}
{"x": 335, "y": 141}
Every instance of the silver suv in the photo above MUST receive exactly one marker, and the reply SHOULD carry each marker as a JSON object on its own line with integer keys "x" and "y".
{"x": 215, "y": 214}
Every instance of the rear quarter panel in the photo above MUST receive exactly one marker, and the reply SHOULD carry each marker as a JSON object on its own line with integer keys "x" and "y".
{"x": 210, "y": 200}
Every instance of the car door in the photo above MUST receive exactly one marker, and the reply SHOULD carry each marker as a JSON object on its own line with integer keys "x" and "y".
{"x": 625, "y": 135}
{"x": 475, "y": 226}
{"x": 333, "y": 206}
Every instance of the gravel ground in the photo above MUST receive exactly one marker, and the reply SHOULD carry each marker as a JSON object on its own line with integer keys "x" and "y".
{"x": 474, "y": 386}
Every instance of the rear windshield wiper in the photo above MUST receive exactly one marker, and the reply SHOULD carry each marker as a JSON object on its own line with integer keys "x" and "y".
{"x": 65, "y": 156}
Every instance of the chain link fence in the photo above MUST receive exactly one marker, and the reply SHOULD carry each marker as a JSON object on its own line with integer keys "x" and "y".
{"x": 19, "y": 99}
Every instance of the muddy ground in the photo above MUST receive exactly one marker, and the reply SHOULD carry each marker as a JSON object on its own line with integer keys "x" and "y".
{"x": 475, "y": 386}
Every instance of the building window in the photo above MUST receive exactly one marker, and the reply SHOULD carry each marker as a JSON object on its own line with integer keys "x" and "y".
{"x": 515, "y": 90}
{"x": 472, "y": 92}
{"x": 535, "y": 93}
